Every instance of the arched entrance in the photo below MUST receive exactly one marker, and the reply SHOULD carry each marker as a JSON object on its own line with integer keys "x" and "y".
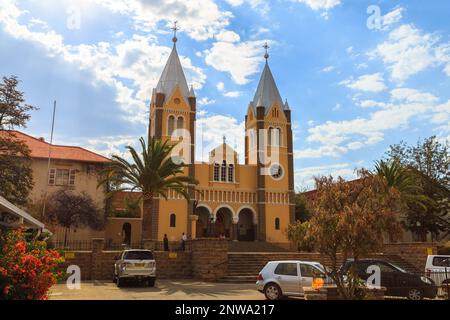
{"x": 203, "y": 228}
{"x": 223, "y": 224}
{"x": 246, "y": 226}
{"x": 126, "y": 233}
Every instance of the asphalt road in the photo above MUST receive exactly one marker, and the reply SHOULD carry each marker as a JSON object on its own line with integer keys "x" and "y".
{"x": 163, "y": 290}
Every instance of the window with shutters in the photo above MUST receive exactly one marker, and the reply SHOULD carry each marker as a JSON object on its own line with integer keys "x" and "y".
{"x": 62, "y": 177}
{"x": 72, "y": 177}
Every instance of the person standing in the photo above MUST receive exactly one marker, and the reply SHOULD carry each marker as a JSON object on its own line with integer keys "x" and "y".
{"x": 166, "y": 243}
{"x": 183, "y": 241}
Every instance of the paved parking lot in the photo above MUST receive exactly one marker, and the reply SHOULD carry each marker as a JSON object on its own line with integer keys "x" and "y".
{"x": 163, "y": 290}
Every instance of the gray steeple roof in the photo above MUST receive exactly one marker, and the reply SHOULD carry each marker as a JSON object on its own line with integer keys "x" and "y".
{"x": 267, "y": 92}
{"x": 172, "y": 76}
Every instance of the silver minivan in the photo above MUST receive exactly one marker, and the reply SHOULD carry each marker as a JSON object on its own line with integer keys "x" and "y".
{"x": 280, "y": 279}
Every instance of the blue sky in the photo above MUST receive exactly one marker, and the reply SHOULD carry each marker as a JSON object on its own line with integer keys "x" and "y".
{"x": 358, "y": 75}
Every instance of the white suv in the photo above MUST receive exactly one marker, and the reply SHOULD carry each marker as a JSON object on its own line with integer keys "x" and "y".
{"x": 280, "y": 279}
{"x": 438, "y": 269}
{"x": 135, "y": 264}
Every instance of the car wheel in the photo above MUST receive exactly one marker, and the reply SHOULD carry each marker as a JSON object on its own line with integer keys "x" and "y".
{"x": 415, "y": 294}
{"x": 272, "y": 292}
{"x": 119, "y": 282}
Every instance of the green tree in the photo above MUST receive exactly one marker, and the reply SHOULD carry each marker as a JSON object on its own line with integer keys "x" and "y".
{"x": 430, "y": 157}
{"x": 301, "y": 211}
{"x": 153, "y": 172}
{"x": 429, "y": 163}
{"x": 349, "y": 220}
{"x": 16, "y": 179}
{"x": 72, "y": 210}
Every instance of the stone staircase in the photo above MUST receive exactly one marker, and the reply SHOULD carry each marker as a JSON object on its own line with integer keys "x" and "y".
{"x": 244, "y": 267}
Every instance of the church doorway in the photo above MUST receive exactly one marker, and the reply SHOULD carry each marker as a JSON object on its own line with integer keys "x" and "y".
{"x": 246, "y": 227}
{"x": 126, "y": 233}
{"x": 223, "y": 223}
{"x": 203, "y": 229}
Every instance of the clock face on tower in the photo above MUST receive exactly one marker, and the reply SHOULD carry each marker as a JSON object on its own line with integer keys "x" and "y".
{"x": 276, "y": 171}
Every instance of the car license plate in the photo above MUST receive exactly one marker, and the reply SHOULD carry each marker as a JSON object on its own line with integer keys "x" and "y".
{"x": 140, "y": 265}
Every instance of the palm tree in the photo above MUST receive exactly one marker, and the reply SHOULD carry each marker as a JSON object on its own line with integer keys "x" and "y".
{"x": 152, "y": 172}
{"x": 407, "y": 182}
{"x": 398, "y": 176}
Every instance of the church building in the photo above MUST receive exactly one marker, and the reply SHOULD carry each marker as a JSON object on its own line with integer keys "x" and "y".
{"x": 253, "y": 201}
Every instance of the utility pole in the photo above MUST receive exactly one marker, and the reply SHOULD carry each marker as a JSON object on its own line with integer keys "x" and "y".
{"x": 49, "y": 159}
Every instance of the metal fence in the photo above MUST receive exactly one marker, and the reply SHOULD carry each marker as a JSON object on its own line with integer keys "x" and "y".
{"x": 86, "y": 245}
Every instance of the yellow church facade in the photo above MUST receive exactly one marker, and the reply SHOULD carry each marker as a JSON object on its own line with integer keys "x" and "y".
{"x": 252, "y": 201}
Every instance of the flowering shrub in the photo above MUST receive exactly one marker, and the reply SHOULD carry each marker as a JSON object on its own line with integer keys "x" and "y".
{"x": 27, "y": 268}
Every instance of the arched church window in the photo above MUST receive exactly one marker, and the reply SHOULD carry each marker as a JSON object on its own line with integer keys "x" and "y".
{"x": 223, "y": 171}
{"x": 230, "y": 173}
{"x": 173, "y": 220}
{"x": 216, "y": 172}
{"x": 277, "y": 223}
{"x": 277, "y": 137}
{"x": 170, "y": 125}
{"x": 269, "y": 136}
{"x": 180, "y": 123}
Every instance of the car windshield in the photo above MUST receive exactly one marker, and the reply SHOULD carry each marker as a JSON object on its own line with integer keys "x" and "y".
{"x": 320, "y": 267}
{"x": 398, "y": 268}
{"x": 138, "y": 255}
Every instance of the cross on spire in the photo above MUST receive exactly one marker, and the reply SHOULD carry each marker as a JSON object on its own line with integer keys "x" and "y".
{"x": 266, "y": 46}
{"x": 175, "y": 28}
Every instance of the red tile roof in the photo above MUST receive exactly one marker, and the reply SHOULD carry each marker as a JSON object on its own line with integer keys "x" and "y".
{"x": 40, "y": 149}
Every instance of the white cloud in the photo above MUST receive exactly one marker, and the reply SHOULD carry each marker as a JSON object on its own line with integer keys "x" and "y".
{"x": 210, "y": 131}
{"x": 228, "y": 36}
{"x": 409, "y": 51}
{"x": 229, "y": 94}
{"x": 412, "y": 95}
{"x": 328, "y": 69}
{"x": 367, "y": 83}
{"x": 201, "y": 19}
{"x": 205, "y": 101}
{"x": 335, "y": 138}
{"x": 317, "y": 5}
{"x": 304, "y": 177}
{"x": 137, "y": 59}
{"x": 261, "y": 6}
{"x": 240, "y": 60}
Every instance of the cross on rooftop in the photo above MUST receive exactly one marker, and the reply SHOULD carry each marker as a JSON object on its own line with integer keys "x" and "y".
{"x": 266, "y": 46}
{"x": 175, "y": 28}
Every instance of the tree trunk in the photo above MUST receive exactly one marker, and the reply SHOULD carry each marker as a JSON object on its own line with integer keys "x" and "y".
{"x": 147, "y": 213}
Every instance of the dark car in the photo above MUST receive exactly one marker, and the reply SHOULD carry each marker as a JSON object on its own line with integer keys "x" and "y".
{"x": 398, "y": 282}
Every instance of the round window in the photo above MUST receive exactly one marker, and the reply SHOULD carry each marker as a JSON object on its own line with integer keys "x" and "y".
{"x": 276, "y": 171}
{"x": 177, "y": 101}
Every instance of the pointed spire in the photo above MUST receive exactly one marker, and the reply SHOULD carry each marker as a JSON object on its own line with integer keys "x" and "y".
{"x": 286, "y": 105}
{"x": 192, "y": 92}
{"x": 267, "y": 93}
{"x": 173, "y": 74}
